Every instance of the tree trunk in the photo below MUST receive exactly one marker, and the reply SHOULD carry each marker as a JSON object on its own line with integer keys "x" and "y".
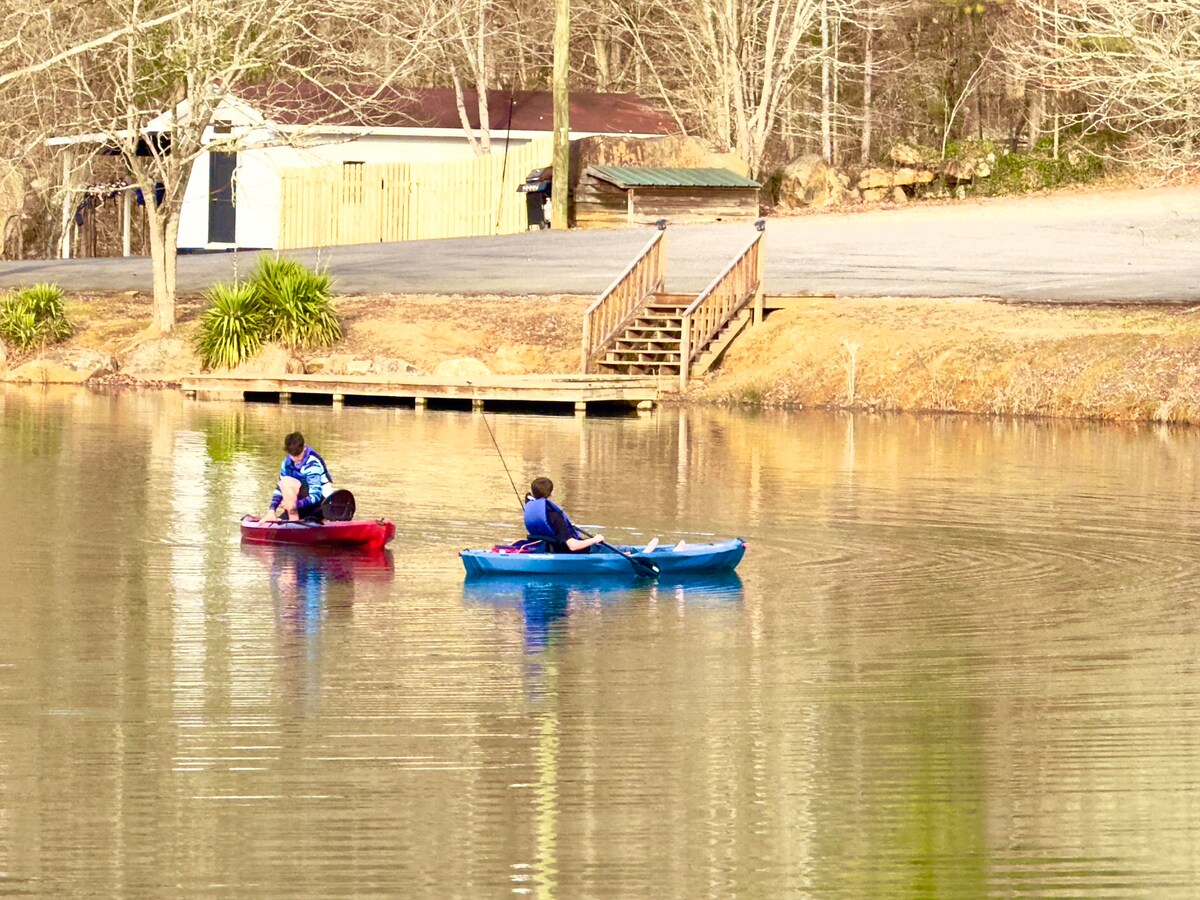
{"x": 1036, "y": 113}
{"x": 826, "y": 99}
{"x": 163, "y": 233}
{"x": 868, "y": 83}
{"x": 481, "y": 83}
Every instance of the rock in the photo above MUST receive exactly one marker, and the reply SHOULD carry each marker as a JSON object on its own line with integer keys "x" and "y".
{"x": 957, "y": 171}
{"x": 3, "y": 357}
{"x": 809, "y": 182}
{"x": 165, "y": 359}
{"x": 273, "y": 359}
{"x": 871, "y": 179}
{"x": 983, "y": 169}
{"x": 906, "y": 155}
{"x": 874, "y": 195}
{"x": 317, "y": 365}
{"x": 74, "y": 366}
{"x": 912, "y": 176}
{"x": 463, "y": 367}
{"x": 899, "y": 195}
{"x": 389, "y": 366}
{"x": 339, "y": 364}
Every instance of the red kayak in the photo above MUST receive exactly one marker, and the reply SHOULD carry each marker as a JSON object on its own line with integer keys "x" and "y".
{"x": 371, "y": 534}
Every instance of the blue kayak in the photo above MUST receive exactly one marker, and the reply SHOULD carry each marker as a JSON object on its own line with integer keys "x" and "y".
{"x": 603, "y": 562}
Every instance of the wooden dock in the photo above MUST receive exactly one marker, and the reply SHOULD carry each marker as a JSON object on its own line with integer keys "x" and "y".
{"x": 491, "y": 392}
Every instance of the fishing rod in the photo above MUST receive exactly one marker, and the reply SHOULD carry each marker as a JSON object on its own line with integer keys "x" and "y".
{"x": 516, "y": 493}
{"x": 641, "y": 566}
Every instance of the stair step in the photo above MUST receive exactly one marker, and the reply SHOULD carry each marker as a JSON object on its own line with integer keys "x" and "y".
{"x": 651, "y": 329}
{"x": 640, "y": 361}
{"x": 627, "y": 343}
{"x": 625, "y": 357}
{"x": 662, "y": 370}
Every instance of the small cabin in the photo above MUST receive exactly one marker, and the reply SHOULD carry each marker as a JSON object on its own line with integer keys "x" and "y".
{"x": 612, "y": 196}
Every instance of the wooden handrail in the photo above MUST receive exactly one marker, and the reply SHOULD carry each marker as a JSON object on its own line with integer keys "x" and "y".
{"x": 724, "y": 298}
{"x": 612, "y": 310}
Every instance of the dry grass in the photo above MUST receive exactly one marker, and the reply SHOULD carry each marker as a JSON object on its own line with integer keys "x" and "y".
{"x": 970, "y": 356}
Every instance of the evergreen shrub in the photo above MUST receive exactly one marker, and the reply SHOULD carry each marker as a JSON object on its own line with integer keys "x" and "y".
{"x": 34, "y": 316}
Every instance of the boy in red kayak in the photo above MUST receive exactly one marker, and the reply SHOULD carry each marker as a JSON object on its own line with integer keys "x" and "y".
{"x": 546, "y": 521}
{"x": 304, "y": 481}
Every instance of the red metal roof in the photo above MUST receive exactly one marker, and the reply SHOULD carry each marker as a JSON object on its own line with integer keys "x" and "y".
{"x": 362, "y": 105}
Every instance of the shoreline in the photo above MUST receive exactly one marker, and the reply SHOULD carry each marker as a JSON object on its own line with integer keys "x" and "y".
{"x": 1099, "y": 362}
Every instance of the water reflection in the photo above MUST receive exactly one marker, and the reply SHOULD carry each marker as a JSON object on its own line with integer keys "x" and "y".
{"x": 312, "y": 584}
{"x": 960, "y": 660}
{"x": 544, "y": 602}
{"x": 313, "y": 589}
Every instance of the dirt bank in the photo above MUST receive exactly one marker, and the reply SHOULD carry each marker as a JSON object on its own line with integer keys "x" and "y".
{"x": 509, "y": 335}
{"x": 967, "y": 355}
{"x": 971, "y": 356}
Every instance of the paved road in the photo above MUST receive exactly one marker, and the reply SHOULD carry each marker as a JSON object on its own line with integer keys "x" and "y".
{"x": 1118, "y": 246}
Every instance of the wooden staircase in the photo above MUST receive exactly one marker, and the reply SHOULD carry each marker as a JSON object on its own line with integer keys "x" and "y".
{"x": 649, "y": 344}
{"x": 636, "y": 328}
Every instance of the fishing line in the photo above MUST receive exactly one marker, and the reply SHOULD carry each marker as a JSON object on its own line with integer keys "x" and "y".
{"x": 516, "y": 493}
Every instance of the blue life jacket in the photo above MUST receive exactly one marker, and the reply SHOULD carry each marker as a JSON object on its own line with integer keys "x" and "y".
{"x": 538, "y": 525}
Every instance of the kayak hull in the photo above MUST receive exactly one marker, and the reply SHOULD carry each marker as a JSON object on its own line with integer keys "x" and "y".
{"x": 722, "y": 555}
{"x": 370, "y": 534}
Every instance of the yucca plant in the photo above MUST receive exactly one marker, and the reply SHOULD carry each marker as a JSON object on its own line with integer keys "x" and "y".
{"x": 34, "y": 316}
{"x": 298, "y": 303}
{"x": 234, "y": 327}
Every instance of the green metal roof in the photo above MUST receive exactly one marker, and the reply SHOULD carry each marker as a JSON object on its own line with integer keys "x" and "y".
{"x": 636, "y": 176}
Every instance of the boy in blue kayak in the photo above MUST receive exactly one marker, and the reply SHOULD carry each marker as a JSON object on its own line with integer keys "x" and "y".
{"x": 546, "y": 521}
{"x": 304, "y": 481}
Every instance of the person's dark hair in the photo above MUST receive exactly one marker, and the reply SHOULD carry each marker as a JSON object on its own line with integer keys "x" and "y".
{"x": 293, "y": 444}
{"x": 541, "y": 487}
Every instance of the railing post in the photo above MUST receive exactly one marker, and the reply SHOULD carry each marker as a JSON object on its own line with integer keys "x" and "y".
{"x": 760, "y": 272}
{"x": 685, "y": 350}
{"x": 585, "y": 365}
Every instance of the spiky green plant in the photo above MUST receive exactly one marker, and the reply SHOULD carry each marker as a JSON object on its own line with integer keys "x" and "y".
{"x": 234, "y": 327}
{"x": 298, "y": 302}
{"x": 34, "y": 316}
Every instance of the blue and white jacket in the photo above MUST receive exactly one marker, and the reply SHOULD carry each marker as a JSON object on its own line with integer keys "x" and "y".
{"x": 311, "y": 471}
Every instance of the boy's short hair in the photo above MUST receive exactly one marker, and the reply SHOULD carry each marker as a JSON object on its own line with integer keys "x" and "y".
{"x": 294, "y": 444}
{"x": 541, "y": 487}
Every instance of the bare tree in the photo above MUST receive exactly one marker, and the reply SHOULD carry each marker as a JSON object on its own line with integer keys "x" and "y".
{"x": 1130, "y": 66}
{"x": 728, "y": 65}
{"x": 466, "y": 44}
{"x": 147, "y": 80}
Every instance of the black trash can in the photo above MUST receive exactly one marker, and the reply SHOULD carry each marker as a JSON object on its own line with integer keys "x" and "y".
{"x": 537, "y": 195}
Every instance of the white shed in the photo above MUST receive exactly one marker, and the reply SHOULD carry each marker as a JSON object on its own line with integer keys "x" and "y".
{"x": 233, "y": 198}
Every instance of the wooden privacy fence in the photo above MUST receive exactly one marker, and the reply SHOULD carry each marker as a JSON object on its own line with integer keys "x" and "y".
{"x": 728, "y": 294}
{"x": 612, "y": 310}
{"x": 362, "y": 203}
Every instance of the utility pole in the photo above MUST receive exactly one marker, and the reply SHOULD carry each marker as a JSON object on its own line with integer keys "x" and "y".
{"x": 561, "y": 185}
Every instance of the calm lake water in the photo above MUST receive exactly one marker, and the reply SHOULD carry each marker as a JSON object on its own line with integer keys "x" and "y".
{"x": 960, "y": 659}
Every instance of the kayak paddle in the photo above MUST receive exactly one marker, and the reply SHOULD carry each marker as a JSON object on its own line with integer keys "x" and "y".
{"x": 643, "y": 567}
